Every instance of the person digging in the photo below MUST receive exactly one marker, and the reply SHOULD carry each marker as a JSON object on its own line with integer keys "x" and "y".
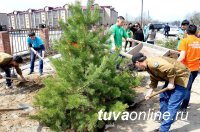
{"x": 36, "y": 44}
{"x": 177, "y": 79}
{"x": 6, "y": 62}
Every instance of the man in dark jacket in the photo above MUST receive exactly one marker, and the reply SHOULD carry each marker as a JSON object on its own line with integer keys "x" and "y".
{"x": 167, "y": 29}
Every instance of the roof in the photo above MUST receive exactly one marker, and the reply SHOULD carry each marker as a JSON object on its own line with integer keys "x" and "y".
{"x": 58, "y": 8}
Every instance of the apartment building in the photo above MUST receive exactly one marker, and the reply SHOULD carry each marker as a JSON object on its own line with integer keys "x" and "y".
{"x": 49, "y": 16}
{"x": 3, "y": 21}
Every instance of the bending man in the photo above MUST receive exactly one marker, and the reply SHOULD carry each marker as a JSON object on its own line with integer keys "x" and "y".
{"x": 177, "y": 79}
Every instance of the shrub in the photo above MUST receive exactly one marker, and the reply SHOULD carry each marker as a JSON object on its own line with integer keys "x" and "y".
{"x": 169, "y": 43}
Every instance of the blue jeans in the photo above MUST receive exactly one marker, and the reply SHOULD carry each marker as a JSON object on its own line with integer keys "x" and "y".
{"x": 8, "y": 74}
{"x": 170, "y": 102}
{"x": 33, "y": 61}
{"x": 187, "y": 95}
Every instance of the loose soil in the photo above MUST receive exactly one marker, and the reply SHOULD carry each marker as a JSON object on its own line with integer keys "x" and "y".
{"x": 23, "y": 93}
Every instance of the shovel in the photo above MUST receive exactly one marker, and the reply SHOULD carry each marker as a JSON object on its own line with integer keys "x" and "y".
{"x": 134, "y": 105}
{"x": 42, "y": 59}
{"x": 11, "y": 78}
{"x": 25, "y": 107}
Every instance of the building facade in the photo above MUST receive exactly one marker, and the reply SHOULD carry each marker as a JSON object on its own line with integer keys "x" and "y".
{"x": 3, "y": 21}
{"x": 49, "y": 16}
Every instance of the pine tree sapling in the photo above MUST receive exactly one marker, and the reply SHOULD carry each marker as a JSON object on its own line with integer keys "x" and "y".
{"x": 85, "y": 81}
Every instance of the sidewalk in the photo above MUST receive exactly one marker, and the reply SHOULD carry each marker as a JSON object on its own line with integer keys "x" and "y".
{"x": 192, "y": 124}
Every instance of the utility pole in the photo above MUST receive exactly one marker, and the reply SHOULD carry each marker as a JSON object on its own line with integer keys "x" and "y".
{"x": 126, "y": 17}
{"x": 142, "y": 15}
{"x": 148, "y": 21}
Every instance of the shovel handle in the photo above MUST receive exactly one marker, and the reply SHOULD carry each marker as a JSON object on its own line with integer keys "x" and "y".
{"x": 158, "y": 92}
{"x": 154, "y": 94}
{"x": 36, "y": 53}
{"x": 12, "y": 78}
{"x": 15, "y": 79}
{"x": 11, "y": 109}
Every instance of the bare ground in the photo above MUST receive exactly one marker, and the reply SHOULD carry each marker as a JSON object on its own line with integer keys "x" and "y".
{"x": 19, "y": 121}
{"x": 23, "y": 93}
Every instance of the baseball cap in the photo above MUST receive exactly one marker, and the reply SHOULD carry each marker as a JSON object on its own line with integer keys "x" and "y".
{"x": 18, "y": 59}
{"x": 138, "y": 57}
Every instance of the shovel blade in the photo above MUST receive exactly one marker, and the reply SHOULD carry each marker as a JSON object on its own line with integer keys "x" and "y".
{"x": 26, "y": 107}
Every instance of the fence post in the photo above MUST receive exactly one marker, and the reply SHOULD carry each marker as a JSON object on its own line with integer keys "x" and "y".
{"x": 44, "y": 35}
{"x": 5, "y": 42}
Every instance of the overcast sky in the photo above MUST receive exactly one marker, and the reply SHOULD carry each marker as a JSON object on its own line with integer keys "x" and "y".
{"x": 162, "y": 10}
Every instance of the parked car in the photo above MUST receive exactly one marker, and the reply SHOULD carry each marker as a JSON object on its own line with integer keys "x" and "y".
{"x": 158, "y": 26}
{"x": 173, "y": 30}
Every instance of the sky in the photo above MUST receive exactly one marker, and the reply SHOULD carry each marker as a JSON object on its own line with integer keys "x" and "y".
{"x": 162, "y": 10}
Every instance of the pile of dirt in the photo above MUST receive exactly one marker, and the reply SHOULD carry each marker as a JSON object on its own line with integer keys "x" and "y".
{"x": 30, "y": 85}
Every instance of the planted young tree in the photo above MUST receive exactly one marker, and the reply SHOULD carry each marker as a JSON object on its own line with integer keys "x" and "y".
{"x": 85, "y": 81}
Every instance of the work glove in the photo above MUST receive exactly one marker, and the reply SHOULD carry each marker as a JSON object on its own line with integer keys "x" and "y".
{"x": 148, "y": 94}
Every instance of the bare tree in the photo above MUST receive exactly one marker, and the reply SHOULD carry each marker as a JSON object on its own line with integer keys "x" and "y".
{"x": 145, "y": 19}
{"x": 175, "y": 23}
{"x": 194, "y": 18}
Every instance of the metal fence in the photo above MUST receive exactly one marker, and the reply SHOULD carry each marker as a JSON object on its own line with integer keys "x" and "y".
{"x": 54, "y": 34}
{"x": 18, "y": 39}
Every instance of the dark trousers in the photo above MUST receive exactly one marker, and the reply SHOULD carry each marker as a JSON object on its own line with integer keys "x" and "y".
{"x": 166, "y": 34}
{"x": 33, "y": 61}
{"x": 118, "y": 60}
{"x": 188, "y": 93}
{"x": 150, "y": 42}
{"x": 127, "y": 42}
{"x": 170, "y": 102}
{"x": 8, "y": 74}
